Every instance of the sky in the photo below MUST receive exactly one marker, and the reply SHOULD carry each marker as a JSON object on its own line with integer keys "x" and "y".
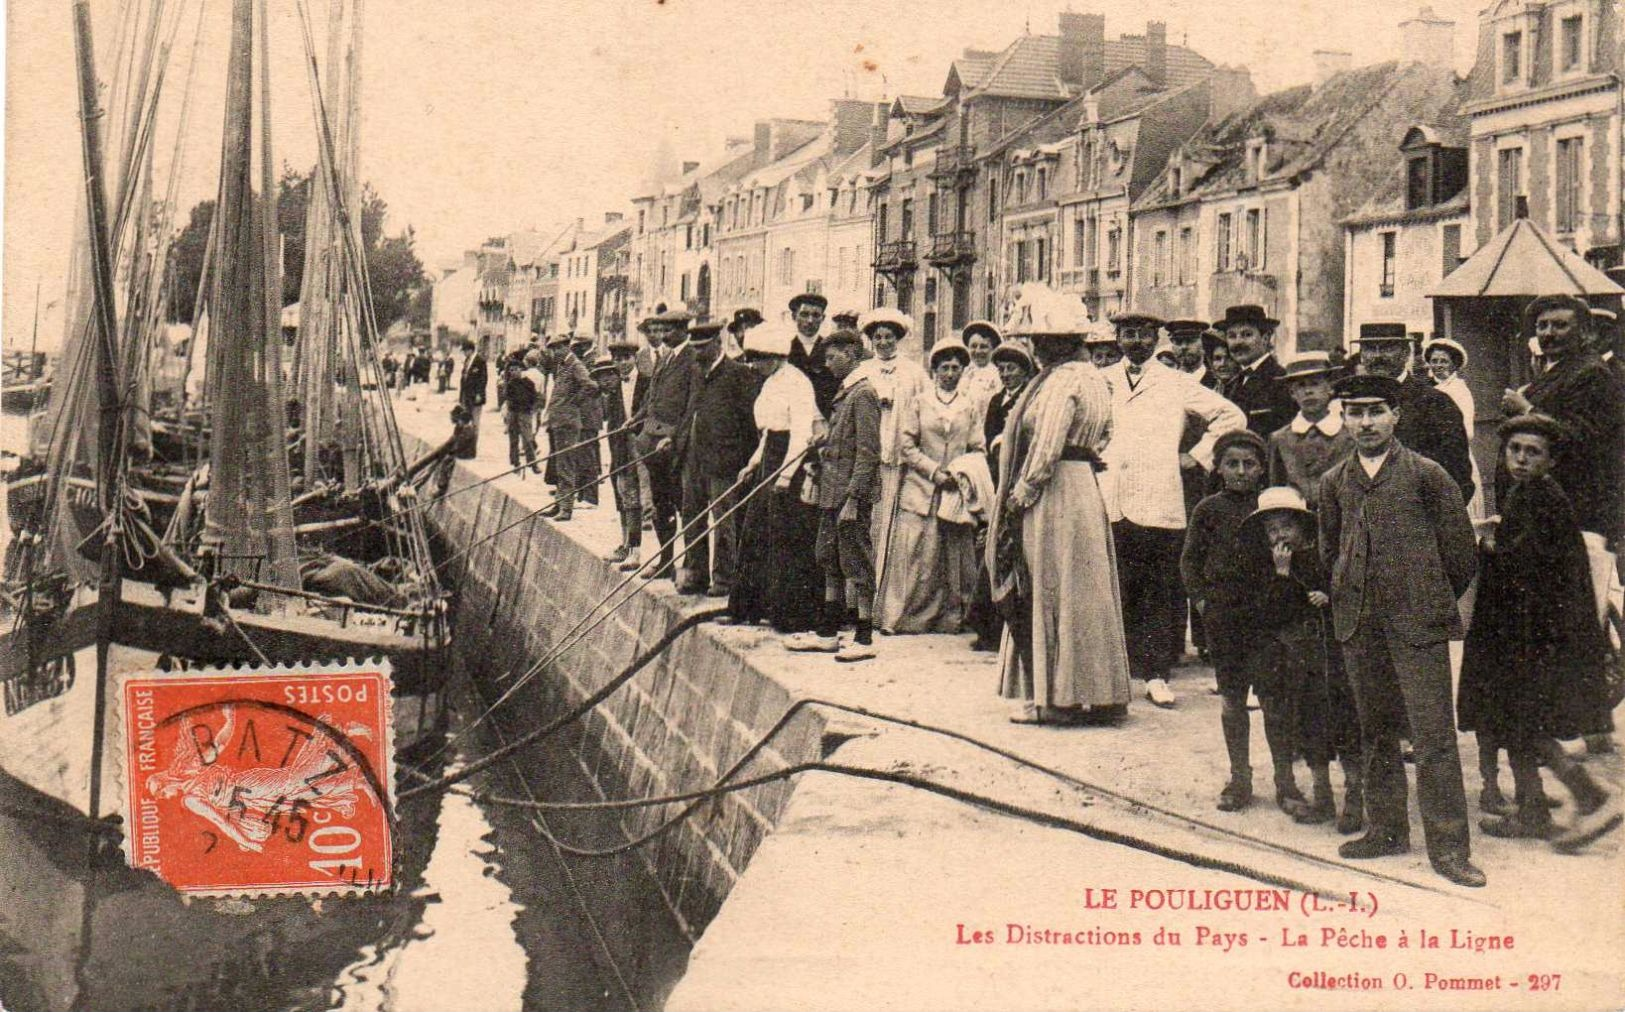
{"x": 482, "y": 117}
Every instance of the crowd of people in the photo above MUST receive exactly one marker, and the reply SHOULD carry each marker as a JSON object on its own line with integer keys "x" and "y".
{"x": 1087, "y": 496}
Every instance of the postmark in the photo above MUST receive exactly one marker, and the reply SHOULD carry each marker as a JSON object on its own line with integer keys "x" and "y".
{"x": 261, "y": 782}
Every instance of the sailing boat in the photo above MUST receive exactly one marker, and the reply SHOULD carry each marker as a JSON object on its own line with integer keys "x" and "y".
{"x": 226, "y": 580}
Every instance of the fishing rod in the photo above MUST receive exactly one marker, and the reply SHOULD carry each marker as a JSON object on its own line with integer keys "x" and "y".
{"x": 583, "y": 627}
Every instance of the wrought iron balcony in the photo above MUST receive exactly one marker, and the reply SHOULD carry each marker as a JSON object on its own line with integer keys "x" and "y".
{"x": 954, "y": 161}
{"x": 897, "y": 255}
{"x": 953, "y": 248}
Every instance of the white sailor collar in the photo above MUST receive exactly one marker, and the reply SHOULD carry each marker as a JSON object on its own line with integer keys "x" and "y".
{"x": 1329, "y": 426}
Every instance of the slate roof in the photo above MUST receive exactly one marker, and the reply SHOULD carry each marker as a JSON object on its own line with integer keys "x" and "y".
{"x": 1030, "y": 67}
{"x": 1302, "y": 124}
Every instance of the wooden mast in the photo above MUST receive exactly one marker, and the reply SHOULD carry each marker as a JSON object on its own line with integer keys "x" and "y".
{"x": 110, "y": 449}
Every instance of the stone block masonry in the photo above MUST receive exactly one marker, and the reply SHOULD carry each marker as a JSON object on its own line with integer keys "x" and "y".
{"x": 676, "y": 726}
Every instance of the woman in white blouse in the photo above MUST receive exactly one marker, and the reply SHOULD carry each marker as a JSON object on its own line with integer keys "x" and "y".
{"x": 1445, "y": 361}
{"x": 778, "y": 578}
{"x": 981, "y": 381}
{"x": 930, "y": 571}
{"x": 898, "y": 381}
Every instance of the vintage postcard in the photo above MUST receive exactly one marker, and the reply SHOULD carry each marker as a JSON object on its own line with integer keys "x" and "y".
{"x": 718, "y": 504}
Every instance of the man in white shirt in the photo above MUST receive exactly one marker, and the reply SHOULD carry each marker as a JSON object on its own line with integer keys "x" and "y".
{"x": 1144, "y": 493}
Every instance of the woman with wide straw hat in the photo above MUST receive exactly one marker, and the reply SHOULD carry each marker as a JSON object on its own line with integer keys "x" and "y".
{"x": 1049, "y": 548}
{"x": 931, "y": 554}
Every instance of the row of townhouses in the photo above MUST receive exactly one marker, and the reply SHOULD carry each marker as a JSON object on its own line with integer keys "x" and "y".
{"x": 1134, "y": 172}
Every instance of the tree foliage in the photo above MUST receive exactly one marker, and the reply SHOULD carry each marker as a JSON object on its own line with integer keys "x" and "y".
{"x": 392, "y": 261}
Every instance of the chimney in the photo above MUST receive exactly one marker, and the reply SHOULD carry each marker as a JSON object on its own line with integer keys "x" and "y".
{"x": 1231, "y": 90}
{"x": 763, "y": 141}
{"x": 1156, "y": 53}
{"x": 1082, "y": 60}
{"x": 690, "y": 167}
{"x": 1329, "y": 63}
{"x": 613, "y": 217}
{"x": 877, "y": 134}
{"x": 1428, "y": 39}
{"x": 851, "y": 118}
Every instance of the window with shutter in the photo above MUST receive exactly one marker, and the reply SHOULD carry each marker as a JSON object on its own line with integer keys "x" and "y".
{"x": 1450, "y": 243}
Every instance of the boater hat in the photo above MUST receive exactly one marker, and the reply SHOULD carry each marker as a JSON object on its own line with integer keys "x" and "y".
{"x": 1279, "y": 498}
{"x": 1455, "y": 350}
{"x": 898, "y": 320}
{"x": 774, "y": 337}
{"x": 949, "y": 346}
{"x": 982, "y": 327}
{"x": 1099, "y": 334}
{"x": 1012, "y": 351}
{"x": 1371, "y": 333}
{"x": 1309, "y": 363}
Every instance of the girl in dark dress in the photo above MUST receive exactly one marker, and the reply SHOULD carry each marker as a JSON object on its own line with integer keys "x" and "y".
{"x": 1532, "y": 669}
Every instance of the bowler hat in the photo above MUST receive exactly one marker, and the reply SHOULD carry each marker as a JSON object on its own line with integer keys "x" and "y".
{"x": 553, "y": 340}
{"x": 744, "y": 319}
{"x": 1246, "y": 315}
{"x": 1368, "y": 387}
{"x": 603, "y": 363}
{"x": 808, "y": 298}
{"x": 1383, "y": 332}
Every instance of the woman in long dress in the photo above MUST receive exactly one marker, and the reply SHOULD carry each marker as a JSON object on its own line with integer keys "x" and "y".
{"x": 1049, "y": 549}
{"x": 898, "y": 382}
{"x": 1445, "y": 360}
{"x": 777, "y": 578}
{"x": 931, "y": 560}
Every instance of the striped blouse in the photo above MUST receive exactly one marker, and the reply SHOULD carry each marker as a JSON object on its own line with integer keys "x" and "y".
{"x": 1072, "y": 407}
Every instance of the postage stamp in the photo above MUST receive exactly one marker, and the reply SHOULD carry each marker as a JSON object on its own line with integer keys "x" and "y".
{"x": 261, "y": 782}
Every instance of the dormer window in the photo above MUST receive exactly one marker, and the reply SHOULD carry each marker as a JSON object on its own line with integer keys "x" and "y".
{"x": 1043, "y": 183}
{"x": 1257, "y": 159}
{"x": 1176, "y": 180}
{"x": 1416, "y": 183}
{"x": 1511, "y": 57}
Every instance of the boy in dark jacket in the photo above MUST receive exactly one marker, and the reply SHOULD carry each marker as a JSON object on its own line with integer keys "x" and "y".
{"x": 1216, "y": 579}
{"x": 1290, "y": 662}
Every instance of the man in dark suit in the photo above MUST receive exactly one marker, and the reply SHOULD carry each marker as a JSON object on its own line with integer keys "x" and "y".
{"x": 571, "y": 404}
{"x": 1429, "y": 421}
{"x": 1257, "y": 389}
{"x": 623, "y": 391}
{"x": 1581, "y": 391}
{"x": 713, "y": 447}
{"x": 807, "y": 354}
{"x": 471, "y": 395}
{"x": 1395, "y": 534}
{"x": 673, "y": 373}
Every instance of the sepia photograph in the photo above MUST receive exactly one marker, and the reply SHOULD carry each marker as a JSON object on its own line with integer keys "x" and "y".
{"x": 733, "y": 505}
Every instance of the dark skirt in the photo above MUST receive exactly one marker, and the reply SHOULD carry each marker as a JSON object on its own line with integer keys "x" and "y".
{"x": 777, "y": 577}
{"x": 1532, "y": 664}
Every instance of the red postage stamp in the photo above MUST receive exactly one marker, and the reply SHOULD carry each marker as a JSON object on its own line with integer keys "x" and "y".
{"x": 261, "y": 783}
